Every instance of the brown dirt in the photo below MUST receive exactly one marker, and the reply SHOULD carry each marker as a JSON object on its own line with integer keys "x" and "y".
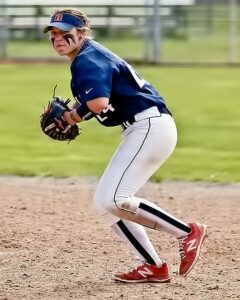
{"x": 54, "y": 246}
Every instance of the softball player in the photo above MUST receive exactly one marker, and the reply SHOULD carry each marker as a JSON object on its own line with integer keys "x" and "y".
{"x": 107, "y": 88}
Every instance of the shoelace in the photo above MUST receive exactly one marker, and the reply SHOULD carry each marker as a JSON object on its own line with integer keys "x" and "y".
{"x": 181, "y": 247}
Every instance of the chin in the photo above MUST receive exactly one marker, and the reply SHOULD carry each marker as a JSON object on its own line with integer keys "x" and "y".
{"x": 62, "y": 53}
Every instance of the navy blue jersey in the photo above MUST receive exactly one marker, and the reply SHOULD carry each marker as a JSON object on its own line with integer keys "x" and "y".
{"x": 97, "y": 72}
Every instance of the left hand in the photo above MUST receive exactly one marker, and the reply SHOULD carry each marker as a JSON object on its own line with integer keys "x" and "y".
{"x": 54, "y": 124}
{"x": 67, "y": 117}
{"x": 71, "y": 116}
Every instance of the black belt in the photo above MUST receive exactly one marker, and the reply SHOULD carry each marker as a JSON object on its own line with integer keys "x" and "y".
{"x": 131, "y": 120}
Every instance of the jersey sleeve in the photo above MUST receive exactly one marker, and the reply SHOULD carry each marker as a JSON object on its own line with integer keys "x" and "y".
{"x": 95, "y": 78}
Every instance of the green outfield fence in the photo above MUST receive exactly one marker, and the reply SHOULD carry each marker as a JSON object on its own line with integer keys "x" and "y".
{"x": 149, "y": 31}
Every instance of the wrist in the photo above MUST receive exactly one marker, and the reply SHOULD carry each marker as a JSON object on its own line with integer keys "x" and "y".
{"x": 74, "y": 116}
{"x": 69, "y": 119}
{"x": 83, "y": 111}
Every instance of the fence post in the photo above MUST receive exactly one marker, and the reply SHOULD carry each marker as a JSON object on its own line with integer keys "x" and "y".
{"x": 3, "y": 30}
{"x": 147, "y": 32}
{"x": 209, "y": 16}
{"x": 38, "y": 14}
{"x": 233, "y": 31}
{"x": 153, "y": 32}
{"x": 157, "y": 32}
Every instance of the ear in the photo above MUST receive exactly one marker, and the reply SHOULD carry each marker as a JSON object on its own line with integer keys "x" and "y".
{"x": 81, "y": 34}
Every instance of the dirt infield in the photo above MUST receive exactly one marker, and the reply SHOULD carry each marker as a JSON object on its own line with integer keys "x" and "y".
{"x": 54, "y": 246}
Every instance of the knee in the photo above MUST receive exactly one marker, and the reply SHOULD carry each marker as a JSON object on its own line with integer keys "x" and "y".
{"x": 129, "y": 203}
{"x": 103, "y": 200}
{"x": 114, "y": 204}
{"x": 120, "y": 206}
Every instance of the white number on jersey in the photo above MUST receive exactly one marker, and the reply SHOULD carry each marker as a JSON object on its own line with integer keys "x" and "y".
{"x": 139, "y": 80}
{"x": 103, "y": 114}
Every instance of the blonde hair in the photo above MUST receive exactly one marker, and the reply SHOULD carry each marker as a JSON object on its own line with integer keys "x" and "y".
{"x": 77, "y": 13}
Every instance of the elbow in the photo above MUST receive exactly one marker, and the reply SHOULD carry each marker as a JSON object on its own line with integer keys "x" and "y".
{"x": 98, "y": 105}
{"x": 103, "y": 104}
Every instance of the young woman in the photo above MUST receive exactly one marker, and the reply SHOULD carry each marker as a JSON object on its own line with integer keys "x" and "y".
{"x": 108, "y": 88}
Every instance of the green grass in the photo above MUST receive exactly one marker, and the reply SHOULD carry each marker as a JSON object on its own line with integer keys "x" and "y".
{"x": 195, "y": 48}
{"x": 205, "y": 103}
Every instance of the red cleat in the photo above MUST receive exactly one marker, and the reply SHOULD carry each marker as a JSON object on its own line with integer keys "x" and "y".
{"x": 146, "y": 273}
{"x": 190, "y": 247}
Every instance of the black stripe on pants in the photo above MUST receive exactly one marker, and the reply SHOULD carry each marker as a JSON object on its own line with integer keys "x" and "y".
{"x": 135, "y": 243}
{"x": 164, "y": 217}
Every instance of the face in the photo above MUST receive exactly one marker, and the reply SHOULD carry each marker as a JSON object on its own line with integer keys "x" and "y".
{"x": 66, "y": 42}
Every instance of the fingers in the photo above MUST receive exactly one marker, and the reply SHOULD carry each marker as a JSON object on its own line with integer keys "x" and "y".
{"x": 54, "y": 126}
{"x": 66, "y": 129}
{"x": 50, "y": 127}
{"x": 60, "y": 124}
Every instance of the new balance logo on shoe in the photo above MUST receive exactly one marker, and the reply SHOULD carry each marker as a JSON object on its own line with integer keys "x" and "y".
{"x": 192, "y": 245}
{"x": 145, "y": 272}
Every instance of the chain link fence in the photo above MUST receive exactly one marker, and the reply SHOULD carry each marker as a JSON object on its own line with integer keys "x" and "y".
{"x": 151, "y": 31}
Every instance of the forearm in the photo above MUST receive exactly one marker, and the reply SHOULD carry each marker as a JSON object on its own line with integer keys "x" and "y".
{"x": 72, "y": 117}
{"x": 85, "y": 111}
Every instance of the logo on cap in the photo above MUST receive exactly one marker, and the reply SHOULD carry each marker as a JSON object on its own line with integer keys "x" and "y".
{"x": 58, "y": 17}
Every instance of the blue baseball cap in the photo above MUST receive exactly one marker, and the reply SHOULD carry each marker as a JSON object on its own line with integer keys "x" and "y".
{"x": 64, "y": 22}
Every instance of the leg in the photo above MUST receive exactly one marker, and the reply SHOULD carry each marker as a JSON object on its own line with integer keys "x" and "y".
{"x": 146, "y": 146}
{"x": 153, "y": 269}
{"x": 136, "y": 238}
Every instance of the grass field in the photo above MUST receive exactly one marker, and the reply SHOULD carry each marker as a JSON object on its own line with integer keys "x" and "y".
{"x": 205, "y": 103}
{"x": 197, "y": 48}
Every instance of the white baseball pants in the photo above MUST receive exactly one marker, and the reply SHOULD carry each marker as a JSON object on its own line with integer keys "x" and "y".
{"x": 145, "y": 146}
